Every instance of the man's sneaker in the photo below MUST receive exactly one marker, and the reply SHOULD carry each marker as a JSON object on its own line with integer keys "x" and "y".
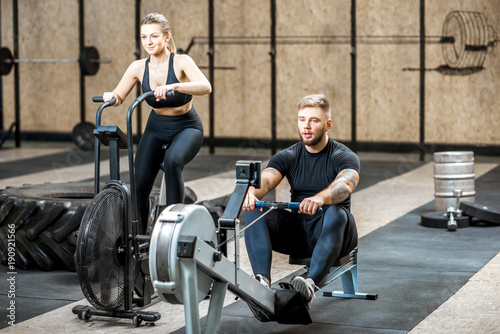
{"x": 264, "y": 281}
{"x": 306, "y": 287}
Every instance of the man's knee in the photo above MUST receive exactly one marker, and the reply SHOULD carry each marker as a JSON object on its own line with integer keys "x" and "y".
{"x": 336, "y": 215}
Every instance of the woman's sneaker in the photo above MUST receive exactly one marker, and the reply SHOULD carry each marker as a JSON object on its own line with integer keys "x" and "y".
{"x": 306, "y": 287}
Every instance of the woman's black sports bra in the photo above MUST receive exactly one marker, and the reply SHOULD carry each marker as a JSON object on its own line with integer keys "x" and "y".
{"x": 179, "y": 99}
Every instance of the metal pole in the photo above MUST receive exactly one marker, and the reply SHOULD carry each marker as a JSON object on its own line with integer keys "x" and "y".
{"x": 211, "y": 73}
{"x": 138, "y": 56}
{"x": 354, "y": 143}
{"x": 273, "y": 77}
{"x": 81, "y": 33}
{"x": 17, "y": 103}
{"x": 422, "y": 80}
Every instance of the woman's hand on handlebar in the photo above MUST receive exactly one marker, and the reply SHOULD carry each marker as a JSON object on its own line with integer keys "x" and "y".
{"x": 161, "y": 92}
{"x": 110, "y": 95}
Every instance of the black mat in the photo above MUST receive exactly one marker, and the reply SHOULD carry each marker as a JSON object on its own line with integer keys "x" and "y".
{"x": 373, "y": 172}
{"x": 36, "y": 292}
{"x": 39, "y": 164}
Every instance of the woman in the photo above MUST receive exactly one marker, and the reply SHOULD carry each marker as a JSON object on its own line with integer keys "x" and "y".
{"x": 172, "y": 121}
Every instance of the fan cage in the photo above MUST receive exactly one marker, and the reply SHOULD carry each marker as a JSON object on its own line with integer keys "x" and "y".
{"x": 100, "y": 253}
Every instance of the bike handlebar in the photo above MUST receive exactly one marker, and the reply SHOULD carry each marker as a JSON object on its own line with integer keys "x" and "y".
{"x": 99, "y": 99}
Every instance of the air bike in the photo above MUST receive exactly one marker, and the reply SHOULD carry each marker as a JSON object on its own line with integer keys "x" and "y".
{"x": 112, "y": 250}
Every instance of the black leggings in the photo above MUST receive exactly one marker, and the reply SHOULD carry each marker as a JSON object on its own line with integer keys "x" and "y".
{"x": 323, "y": 237}
{"x": 184, "y": 134}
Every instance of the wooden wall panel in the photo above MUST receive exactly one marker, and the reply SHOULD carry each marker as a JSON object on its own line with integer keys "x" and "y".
{"x": 459, "y": 109}
{"x": 465, "y": 109}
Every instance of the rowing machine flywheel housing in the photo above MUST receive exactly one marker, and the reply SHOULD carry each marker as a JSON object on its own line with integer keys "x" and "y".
{"x": 164, "y": 265}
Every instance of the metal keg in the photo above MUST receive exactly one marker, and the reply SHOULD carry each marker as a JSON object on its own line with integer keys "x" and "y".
{"x": 453, "y": 173}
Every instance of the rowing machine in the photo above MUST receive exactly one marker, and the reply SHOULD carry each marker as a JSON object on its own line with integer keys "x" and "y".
{"x": 185, "y": 263}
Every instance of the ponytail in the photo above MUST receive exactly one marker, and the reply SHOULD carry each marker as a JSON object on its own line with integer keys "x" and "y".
{"x": 171, "y": 45}
{"x": 155, "y": 18}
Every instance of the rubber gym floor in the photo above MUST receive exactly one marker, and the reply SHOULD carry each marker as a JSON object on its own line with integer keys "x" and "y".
{"x": 428, "y": 280}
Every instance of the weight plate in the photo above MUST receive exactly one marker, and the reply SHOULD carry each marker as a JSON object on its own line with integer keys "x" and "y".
{"x": 6, "y": 61}
{"x": 89, "y": 60}
{"x": 481, "y": 212}
{"x": 439, "y": 219}
{"x": 83, "y": 136}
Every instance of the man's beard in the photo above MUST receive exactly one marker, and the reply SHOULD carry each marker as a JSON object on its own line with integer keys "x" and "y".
{"x": 314, "y": 140}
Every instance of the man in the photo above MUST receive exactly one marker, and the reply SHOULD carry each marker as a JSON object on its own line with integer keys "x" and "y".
{"x": 322, "y": 173}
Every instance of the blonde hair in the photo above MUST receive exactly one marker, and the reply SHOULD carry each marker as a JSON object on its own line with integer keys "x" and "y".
{"x": 155, "y": 18}
{"x": 315, "y": 100}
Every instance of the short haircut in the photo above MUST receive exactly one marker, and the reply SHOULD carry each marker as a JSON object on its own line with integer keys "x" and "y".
{"x": 315, "y": 100}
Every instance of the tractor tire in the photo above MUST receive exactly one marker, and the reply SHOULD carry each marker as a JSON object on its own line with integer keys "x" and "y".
{"x": 46, "y": 218}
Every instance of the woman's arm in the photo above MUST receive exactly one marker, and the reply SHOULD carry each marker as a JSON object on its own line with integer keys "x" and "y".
{"x": 192, "y": 80}
{"x": 128, "y": 81}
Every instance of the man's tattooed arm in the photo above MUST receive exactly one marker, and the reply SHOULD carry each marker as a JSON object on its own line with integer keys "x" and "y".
{"x": 343, "y": 186}
{"x": 270, "y": 170}
{"x": 335, "y": 193}
{"x": 270, "y": 178}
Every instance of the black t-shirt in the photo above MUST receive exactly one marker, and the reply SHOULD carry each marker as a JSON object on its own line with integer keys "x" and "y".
{"x": 309, "y": 173}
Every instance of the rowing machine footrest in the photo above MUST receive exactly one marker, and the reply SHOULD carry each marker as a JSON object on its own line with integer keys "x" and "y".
{"x": 347, "y": 269}
{"x": 289, "y": 307}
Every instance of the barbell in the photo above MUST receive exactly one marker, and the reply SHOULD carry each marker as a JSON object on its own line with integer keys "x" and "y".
{"x": 473, "y": 38}
{"x": 466, "y": 38}
{"x": 89, "y": 61}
